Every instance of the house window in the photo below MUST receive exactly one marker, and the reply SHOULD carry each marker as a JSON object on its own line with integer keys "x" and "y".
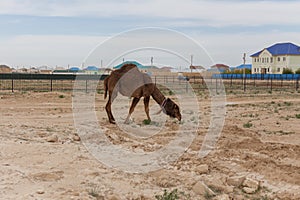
{"x": 278, "y": 59}
{"x": 271, "y": 60}
{"x": 283, "y": 58}
{"x": 278, "y": 69}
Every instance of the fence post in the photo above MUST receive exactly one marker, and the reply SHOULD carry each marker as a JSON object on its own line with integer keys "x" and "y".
{"x": 245, "y": 83}
{"x": 51, "y": 84}
{"x": 216, "y": 85}
{"x": 12, "y": 83}
{"x": 86, "y": 85}
{"x": 271, "y": 84}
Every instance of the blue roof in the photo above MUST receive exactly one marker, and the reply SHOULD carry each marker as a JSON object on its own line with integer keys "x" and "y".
{"x": 73, "y": 69}
{"x": 242, "y": 66}
{"x": 140, "y": 66}
{"x": 91, "y": 68}
{"x": 281, "y": 49}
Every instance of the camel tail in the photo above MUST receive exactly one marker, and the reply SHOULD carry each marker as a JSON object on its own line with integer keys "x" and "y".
{"x": 105, "y": 87}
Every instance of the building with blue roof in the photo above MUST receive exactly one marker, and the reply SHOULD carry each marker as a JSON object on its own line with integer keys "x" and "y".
{"x": 149, "y": 69}
{"x": 273, "y": 59}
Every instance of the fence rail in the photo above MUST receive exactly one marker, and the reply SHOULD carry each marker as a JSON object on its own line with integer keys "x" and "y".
{"x": 232, "y": 82}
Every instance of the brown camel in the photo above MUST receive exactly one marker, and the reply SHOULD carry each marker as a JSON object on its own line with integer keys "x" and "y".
{"x": 130, "y": 82}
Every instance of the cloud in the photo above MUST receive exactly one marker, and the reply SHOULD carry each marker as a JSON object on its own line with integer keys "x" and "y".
{"x": 210, "y": 13}
{"x": 51, "y": 50}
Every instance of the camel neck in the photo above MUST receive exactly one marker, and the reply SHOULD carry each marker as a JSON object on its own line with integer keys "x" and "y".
{"x": 158, "y": 96}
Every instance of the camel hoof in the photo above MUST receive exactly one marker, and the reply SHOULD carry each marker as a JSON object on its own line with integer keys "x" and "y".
{"x": 112, "y": 122}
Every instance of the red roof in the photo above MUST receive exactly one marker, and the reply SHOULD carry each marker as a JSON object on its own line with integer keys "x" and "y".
{"x": 220, "y": 66}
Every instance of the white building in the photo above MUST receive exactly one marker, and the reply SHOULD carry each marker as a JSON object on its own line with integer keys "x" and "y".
{"x": 274, "y": 59}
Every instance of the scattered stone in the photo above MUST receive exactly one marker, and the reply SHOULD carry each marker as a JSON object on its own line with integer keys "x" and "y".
{"x": 201, "y": 189}
{"x": 40, "y": 191}
{"x": 228, "y": 189}
{"x": 165, "y": 182}
{"x": 113, "y": 197}
{"x": 250, "y": 186}
{"x": 223, "y": 197}
{"x": 249, "y": 190}
{"x": 216, "y": 184}
{"x": 202, "y": 169}
{"x": 53, "y": 138}
{"x": 251, "y": 183}
{"x": 236, "y": 180}
{"x": 163, "y": 179}
{"x": 76, "y": 138}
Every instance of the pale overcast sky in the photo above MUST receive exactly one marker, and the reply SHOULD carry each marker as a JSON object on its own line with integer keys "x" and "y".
{"x": 62, "y": 32}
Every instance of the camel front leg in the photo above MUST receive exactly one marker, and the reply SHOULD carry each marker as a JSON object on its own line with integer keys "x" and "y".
{"x": 133, "y": 104}
{"x": 146, "y": 104}
{"x": 111, "y": 98}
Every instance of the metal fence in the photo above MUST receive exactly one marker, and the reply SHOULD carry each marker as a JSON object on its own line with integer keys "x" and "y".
{"x": 47, "y": 82}
{"x": 232, "y": 82}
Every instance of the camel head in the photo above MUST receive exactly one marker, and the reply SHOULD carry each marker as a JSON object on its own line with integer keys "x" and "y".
{"x": 172, "y": 109}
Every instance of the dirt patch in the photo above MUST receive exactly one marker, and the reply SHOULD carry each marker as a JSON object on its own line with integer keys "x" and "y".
{"x": 260, "y": 141}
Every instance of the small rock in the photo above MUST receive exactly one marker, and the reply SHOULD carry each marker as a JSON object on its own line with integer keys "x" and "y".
{"x": 228, "y": 189}
{"x": 113, "y": 197}
{"x": 40, "y": 191}
{"x": 202, "y": 169}
{"x": 201, "y": 189}
{"x": 223, "y": 197}
{"x": 249, "y": 190}
{"x": 76, "y": 138}
{"x": 236, "y": 180}
{"x": 52, "y": 138}
{"x": 250, "y": 183}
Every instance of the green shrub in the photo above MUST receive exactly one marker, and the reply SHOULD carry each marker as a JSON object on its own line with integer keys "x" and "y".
{"x": 147, "y": 121}
{"x": 297, "y": 71}
{"x": 297, "y": 116}
{"x": 173, "y": 195}
{"x": 287, "y": 71}
{"x": 248, "y": 125}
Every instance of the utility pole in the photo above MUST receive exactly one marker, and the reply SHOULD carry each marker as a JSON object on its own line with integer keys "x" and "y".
{"x": 244, "y": 71}
{"x": 191, "y": 62}
{"x": 151, "y": 61}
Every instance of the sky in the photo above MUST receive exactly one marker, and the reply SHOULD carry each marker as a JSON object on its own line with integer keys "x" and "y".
{"x": 65, "y": 32}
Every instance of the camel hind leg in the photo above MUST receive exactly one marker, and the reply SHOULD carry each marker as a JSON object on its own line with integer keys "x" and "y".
{"x": 133, "y": 104}
{"x": 146, "y": 104}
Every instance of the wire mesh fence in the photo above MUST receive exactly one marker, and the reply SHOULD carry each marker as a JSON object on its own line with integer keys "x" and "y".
{"x": 49, "y": 82}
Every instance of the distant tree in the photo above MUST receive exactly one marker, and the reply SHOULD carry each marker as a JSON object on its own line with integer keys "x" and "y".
{"x": 287, "y": 71}
{"x": 297, "y": 71}
{"x": 238, "y": 71}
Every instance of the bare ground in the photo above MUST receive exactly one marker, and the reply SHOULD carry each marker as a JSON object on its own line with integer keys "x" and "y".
{"x": 41, "y": 156}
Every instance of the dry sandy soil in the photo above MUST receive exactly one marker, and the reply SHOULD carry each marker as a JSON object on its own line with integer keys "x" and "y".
{"x": 256, "y": 157}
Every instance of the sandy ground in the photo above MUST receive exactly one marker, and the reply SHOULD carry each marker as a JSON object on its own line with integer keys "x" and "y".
{"x": 41, "y": 156}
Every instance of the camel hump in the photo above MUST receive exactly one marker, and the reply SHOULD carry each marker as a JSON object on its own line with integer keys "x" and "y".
{"x": 127, "y": 67}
